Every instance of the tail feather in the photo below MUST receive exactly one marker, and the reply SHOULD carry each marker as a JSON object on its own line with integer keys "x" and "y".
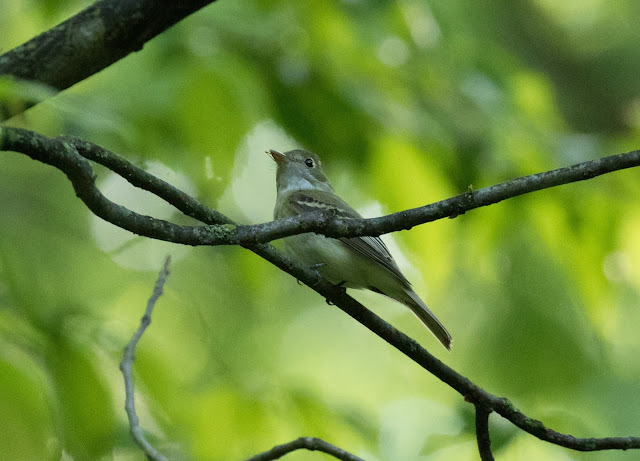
{"x": 418, "y": 307}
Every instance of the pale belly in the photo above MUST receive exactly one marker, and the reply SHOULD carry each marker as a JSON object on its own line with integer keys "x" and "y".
{"x": 337, "y": 263}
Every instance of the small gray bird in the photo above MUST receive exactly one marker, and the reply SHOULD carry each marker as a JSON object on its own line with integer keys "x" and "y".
{"x": 360, "y": 262}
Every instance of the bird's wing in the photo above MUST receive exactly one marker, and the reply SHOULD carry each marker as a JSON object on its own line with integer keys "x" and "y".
{"x": 372, "y": 248}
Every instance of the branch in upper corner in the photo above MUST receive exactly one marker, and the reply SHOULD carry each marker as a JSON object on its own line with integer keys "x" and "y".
{"x": 305, "y": 443}
{"x": 126, "y": 366}
{"x": 482, "y": 433}
{"x": 86, "y": 43}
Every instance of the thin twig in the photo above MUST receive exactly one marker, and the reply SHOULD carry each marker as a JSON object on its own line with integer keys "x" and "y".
{"x": 482, "y": 433}
{"x": 127, "y": 363}
{"x": 305, "y": 443}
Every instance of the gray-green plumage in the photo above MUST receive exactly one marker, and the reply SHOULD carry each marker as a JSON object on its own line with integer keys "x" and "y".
{"x": 360, "y": 262}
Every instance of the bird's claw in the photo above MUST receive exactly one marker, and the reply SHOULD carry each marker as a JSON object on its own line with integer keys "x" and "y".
{"x": 315, "y": 267}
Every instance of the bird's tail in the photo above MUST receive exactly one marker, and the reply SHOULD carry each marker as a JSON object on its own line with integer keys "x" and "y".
{"x": 418, "y": 307}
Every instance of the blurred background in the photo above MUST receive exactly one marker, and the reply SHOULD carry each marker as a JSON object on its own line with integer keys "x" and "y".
{"x": 407, "y": 103}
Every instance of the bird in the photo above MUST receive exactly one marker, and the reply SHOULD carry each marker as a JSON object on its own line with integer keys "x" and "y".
{"x": 354, "y": 262}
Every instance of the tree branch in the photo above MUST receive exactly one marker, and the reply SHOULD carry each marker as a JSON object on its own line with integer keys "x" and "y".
{"x": 126, "y": 365}
{"x": 306, "y": 443}
{"x": 326, "y": 223}
{"x": 90, "y": 41}
{"x": 330, "y": 226}
{"x": 482, "y": 433}
{"x": 65, "y": 156}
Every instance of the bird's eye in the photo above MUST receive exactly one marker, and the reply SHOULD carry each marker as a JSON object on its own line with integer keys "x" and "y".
{"x": 309, "y": 162}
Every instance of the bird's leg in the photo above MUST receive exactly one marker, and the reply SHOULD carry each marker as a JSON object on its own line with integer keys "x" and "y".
{"x": 314, "y": 268}
{"x": 340, "y": 285}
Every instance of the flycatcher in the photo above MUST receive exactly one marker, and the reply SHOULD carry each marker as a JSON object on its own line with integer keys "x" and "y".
{"x": 360, "y": 262}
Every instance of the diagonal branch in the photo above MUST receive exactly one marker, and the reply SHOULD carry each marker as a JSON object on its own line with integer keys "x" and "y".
{"x": 65, "y": 155}
{"x": 90, "y": 41}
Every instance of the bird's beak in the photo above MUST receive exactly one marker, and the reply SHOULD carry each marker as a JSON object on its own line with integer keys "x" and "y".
{"x": 277, "y": 156}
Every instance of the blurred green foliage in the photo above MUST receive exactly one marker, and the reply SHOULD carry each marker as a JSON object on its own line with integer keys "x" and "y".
{"x": 407, "y": 102}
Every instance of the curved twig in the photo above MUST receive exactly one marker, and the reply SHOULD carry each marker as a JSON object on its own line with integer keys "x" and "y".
{"x": 305, "y": 443}
{"x": 126, "y": 365}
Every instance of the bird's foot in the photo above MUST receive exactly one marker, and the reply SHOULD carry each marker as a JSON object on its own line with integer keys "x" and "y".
{"x": 314, "y": 268}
